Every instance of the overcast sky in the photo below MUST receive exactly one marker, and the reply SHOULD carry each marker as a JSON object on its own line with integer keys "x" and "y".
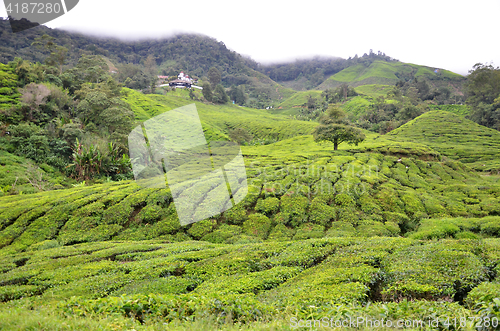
{"x": 453, "y": 35}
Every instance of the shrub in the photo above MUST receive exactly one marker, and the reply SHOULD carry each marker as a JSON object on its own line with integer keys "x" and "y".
{"x": 257, "y": 225}
{"x": 491, "y": 206}
{"x": 397, "y": 218}
{"x": 220, "y": 235}
{"x": 341, "y": 229}
{"x": 293, "y": 209}
{"x": 320, "y": 212}
{"x": 150, "y": 213}
{"x": 254, "y": 282}
{"x": 372, "y": 228}
{"x": 491, "y": 226}
{"x": 309, "y": 230}
{"x": 304, "y": 253}
{"x": 344, "y": 200}
{"x": 281, "y": 233}
{"x": 236, "y": 215}
{"x": 481, "y": 292}
{"x": 202, "y": 228}
{"x": 389, "y": 200}
{"x": 161, "y": 286}
{"x": 466, "y": 235}
{"x": 348, "y": 214}
{"x": 393, "y": 228}
{"x": 243, "y": 239}
{"x": 413, "y": 205}
{"x": 13, "y": 292}
{"x": 438, "y": 270}
{"x": 368, "y": 204}
{"x": 435, "y": 229}
{"x": 168, "y": 224}
{"x": 268, "y": 206}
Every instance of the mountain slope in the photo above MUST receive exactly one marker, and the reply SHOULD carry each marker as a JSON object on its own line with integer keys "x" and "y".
{"x": 454, "y": 137}
{"x": 386, "y": 73}
{"x": 264, "y": 126}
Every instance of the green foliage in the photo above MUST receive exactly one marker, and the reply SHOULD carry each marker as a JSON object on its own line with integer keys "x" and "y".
{"x": 236, "y": 215}
{"x": 457, "y": 228}
{"x": 202, "y": 228}
{"x": 293, "y": 209}
{"x": 320, "y": 212}
{"x": 8, "y": 93}
{"x": 268, "y": 206}
{"x": 223, "y": 233}
{"x": 438, "y": 270}
{"x": 281, "y": 233}
{"x": 309, "y": 230}
{"x": 257, "y": 225}
{"x": 483, "y": 90}
{"x": 333, "y": 128}
{"x": 385, "y": 72}
{"x": 460, "y": 139}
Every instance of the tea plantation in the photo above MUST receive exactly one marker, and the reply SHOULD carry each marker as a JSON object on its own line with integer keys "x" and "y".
{"x": 351, "y": 234}
{"x": 401, "y": 227}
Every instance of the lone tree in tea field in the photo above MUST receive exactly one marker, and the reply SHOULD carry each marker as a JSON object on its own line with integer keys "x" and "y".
{"x": 335, "y": 127}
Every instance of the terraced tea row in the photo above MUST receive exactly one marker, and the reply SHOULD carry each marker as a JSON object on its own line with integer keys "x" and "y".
{"x": 361, "y": 194}
{"x": 252, "y": 281}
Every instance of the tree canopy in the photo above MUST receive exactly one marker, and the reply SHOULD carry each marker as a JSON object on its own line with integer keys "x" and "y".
{"x": 335, "y": 127}
{"x": 483, "y": 95}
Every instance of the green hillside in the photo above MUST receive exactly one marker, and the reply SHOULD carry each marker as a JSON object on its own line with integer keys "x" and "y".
{"x": 19, "y": 175}
{"x": 455, "y": 137}
{"x": 220, "y": 119}
{"x": 317, "y": 231}
{"x": 293, "y": 104}
{"x": 404, "y": 226}
{"x": 385, "y": 73}
{"x": 295, "y": 191}
{"x": 373, "y": 90}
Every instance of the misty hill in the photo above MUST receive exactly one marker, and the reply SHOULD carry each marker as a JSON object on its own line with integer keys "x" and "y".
{"x": 189, "y": 52}
{"x": 196, "y": 54}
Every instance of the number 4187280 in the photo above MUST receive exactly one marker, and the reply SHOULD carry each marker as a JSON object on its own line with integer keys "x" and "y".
{"x": 34, "y": 8}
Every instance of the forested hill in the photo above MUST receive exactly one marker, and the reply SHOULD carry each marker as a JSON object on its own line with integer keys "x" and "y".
{"x": 196, "y": 54}
{"x": 188, "y": 52}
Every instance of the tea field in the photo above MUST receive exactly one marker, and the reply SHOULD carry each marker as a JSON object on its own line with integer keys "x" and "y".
{"x": 401, "y": 227}
{"x": 356, "y": 234}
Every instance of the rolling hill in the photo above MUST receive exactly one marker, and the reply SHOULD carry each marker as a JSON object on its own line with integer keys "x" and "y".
{"x": 386, "y": 227}
{"x": 402, "y": 226}
{"x": 454, "y": 137}
{"x": 387, "y": 73}
{"x": 262, "y": 124}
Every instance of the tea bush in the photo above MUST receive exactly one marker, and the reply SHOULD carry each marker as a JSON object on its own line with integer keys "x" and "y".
{"x": 257, "y": 225}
